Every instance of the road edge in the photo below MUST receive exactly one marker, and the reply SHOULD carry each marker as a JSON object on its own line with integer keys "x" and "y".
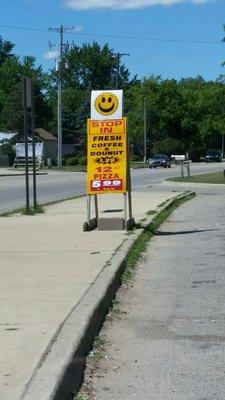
{"x": 59, "y": 373}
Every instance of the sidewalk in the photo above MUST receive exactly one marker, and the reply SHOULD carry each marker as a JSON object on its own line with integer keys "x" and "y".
{"x": 54, "y": 277}
{"x": 17, "y": 172}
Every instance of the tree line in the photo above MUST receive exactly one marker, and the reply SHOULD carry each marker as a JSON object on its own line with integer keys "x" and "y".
{"x": 182, "y": 116}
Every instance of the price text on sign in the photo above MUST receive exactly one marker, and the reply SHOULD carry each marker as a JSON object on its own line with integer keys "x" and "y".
{"x": 107, "y": 156}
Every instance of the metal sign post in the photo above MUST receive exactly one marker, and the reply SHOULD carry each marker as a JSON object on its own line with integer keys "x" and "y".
{"x": 33, "y": 145}
{"x": 25, "y": 116}
{"x": 130, "y": 222}
{"x": 28, "y": 109}
{"x": 185, "y": 164}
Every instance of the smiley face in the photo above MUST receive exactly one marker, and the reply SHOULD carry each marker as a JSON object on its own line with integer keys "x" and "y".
{"x": 106, "y": 103}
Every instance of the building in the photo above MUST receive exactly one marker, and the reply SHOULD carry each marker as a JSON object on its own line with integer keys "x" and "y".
{"x": 50, "y": 145}
{"x": 48, "y": 140}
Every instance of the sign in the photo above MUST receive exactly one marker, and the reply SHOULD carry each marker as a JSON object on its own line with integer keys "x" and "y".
{"x": 179, "y": 157}
{"x": 107, "y": 156}
{"x": 20, "y": 150}
{"x": 27, "y": 92}
{"x": 106, "y": 105}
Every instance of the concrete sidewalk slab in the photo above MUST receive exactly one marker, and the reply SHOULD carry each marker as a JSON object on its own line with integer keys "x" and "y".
{"x": 48, "y": 266}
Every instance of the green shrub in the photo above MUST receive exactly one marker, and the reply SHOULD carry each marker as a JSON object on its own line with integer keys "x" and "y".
{"x": 135, "y": 158}
{"x": 83, "y": 160}
{"x": 72, "y": 161}
{"x": 7, "y": 148}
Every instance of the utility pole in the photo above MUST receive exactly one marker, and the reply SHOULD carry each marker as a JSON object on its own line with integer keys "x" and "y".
{"x": 145, "y": 131}
{"x": 222, "y": 152}
{"x": 118, "y": 57}
{"x": 61, "y": 30}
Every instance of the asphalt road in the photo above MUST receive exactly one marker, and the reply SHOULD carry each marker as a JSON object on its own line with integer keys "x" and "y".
{"x": 61, "y": 185}
{"x": 166, "y": 342}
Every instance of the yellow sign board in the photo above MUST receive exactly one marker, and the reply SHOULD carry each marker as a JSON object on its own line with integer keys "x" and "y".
{"x": 107, "y": 156}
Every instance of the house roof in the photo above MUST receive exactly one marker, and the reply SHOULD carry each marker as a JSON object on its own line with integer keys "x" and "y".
{"x": 44, "y": 134}
{"x": 6, "y": 136}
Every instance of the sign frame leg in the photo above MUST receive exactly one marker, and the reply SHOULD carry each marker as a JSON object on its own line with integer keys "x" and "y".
{"x": 91, "y": 223}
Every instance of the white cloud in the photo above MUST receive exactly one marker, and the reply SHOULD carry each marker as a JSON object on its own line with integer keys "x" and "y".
{"x": 77, "y": 28}
{"x": 159, "y": 56}
{"x": 123, "y": 4}
{"x": 50, "y": 55}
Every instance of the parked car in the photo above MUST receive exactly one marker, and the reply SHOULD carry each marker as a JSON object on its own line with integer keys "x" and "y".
{"x": 159, "y": 160}
{"x": 212, "y": 156}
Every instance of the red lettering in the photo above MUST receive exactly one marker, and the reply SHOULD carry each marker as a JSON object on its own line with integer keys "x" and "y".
{"x": 94, "y": 124}
{"x": 118, "y": 122}
{"x": 107, "y": 169}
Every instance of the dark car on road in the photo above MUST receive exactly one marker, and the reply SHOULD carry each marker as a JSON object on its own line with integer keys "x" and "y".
{"x": 159, "y": 160}
{"x": 212, "y": 156}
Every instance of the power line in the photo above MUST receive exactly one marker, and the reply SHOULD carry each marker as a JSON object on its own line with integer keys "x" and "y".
{"x": 24, "y": 28}
{"x": 147, "y": 39}
{"x": 119, "y": 36}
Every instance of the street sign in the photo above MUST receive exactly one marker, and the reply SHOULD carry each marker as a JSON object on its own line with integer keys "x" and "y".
{"x": 28, "y": 92}
{"x": 29, "y": 118}
{"x": 107, "y": 156}
{"x": 106, "y": 105}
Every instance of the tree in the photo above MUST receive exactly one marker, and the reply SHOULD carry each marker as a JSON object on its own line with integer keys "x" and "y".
{"x": 11, "y": 72}
{"x": 93, "y": 67}
{"x": 169, "y": 146}
{"x": 85, "y": 68}
{"x": 189, "y": 113}
{"x": 5, "y": 50}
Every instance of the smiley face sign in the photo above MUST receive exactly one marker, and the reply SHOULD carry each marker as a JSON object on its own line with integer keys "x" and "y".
{"x": 106, "y": 104}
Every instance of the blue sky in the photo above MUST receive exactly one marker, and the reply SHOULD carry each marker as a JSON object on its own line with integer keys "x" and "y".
{"x": 171, "y": 38}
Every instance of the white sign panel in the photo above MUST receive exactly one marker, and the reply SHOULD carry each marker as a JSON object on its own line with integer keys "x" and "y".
{"x": 20, "y": 150}
{"x": 179, "y": 157}
{"x": 106, "y": 104}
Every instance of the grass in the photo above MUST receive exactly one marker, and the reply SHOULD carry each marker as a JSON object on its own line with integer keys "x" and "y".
{"x": 212, "y": 178}
{"x": 39, "y": 209}
{"x": 163, "y": 203}
{"x": 151, "y": 212}
{"x": 33, "y": 210}
{"x": 138, "y": 164}
{"x": 98, "y": 342}
{"x": 83, "y": 168}
{"x": 10, "y": 213}
{"x": 140, "y": 245}
{"x": 72, "y": 168}
{"x": 97, "y": 354}
{"x": 98, "y": 350}
{"x": 79, "y": 397}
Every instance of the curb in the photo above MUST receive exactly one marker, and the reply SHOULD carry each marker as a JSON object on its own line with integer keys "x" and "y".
{"x": 194, "y": 184}
{"x": 22, "y": 174}
{"x": 59, "y": 372}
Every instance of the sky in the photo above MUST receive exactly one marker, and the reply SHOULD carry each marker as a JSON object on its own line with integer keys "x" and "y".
{"x": 172, "y": 38}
